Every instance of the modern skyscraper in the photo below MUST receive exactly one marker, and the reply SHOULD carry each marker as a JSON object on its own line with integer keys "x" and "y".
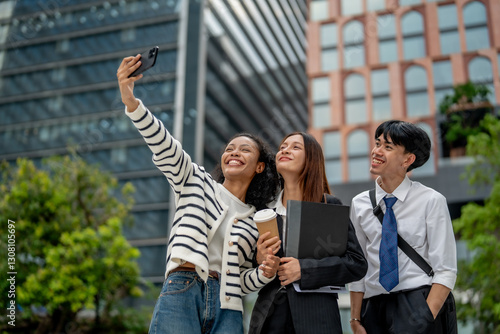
{"x": 223, "y": 67}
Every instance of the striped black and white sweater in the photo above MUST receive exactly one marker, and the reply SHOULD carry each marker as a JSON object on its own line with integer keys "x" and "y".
{"x": 199, "y": 212}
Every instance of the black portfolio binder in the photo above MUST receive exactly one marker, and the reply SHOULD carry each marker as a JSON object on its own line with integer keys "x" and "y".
{"x": 316, "y": 230}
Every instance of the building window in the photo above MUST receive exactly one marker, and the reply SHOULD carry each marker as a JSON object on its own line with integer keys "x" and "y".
{"x": 409, "y": 2}
{"x": 358, "y": 152}
{"x": 354, "y": 49}
{"x": 355, "y": 105}
{"x": 481, "y": 72}
{"x": 374, "y": 5}
{"x": 318, "y": 10}
{"x": 332, "y": 143}
{"x": 321, "y": 102}
{"x": 428, "y": 167}
{"x": 413, "y": 35}
{"x": 448, "y": 29}
{"x": 380, "y": 87}
{"x": 443, "y": 80}
{"x": 476, "y": 26}
{"x": 387, "y": 45}
{"x": 329, "y": 52}
{"x": 128, "y": 35}
{"x": 351, "y": 7}
{"x": 417, "y": 100}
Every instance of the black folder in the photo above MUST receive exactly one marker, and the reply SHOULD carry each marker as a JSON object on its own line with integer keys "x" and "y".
{"x": 316, "y": 230}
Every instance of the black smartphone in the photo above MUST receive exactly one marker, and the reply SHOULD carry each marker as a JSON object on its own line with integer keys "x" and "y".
{"x": 148, "y": 60}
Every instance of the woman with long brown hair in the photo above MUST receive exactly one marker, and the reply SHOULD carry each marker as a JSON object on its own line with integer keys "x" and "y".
{"x": 279, "y": 307}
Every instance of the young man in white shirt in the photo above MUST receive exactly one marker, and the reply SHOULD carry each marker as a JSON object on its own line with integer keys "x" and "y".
{"x": 412, "y": 301}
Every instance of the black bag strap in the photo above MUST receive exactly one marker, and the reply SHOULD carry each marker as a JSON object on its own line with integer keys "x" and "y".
{"x": 402, "y": 244}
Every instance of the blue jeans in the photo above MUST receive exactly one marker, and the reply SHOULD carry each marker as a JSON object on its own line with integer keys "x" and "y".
{"x": 188, "y": 305}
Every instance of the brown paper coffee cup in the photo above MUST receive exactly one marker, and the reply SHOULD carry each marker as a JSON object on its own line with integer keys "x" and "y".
{"x": 266, "y": 222}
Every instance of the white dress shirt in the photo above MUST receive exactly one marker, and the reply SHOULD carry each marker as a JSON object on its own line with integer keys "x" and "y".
{"x": 423, "y": 220}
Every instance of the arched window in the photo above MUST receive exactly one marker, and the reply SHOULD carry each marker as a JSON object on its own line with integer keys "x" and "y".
{"x": 329, "y": 43}
{"x": 358, "y": 148}
{"x": 355, "y": 104}
{"x": 321, "y": 102}
{"x": 417, "y": 99}
{"x": 448, "y": 29}
{"x": 351, "y": 7}
{"x": 381, "y": 98}
{"x": 481, "y": 71}
{"x": 428, "y": 167}
{"x": 332, "y": 144}
{"x": 443, "y": 80}
{"x": 413, "y": 35}
{"x": 354, "y": 48}
{"x": 387, "y": 45}
{"x": 476, "y": 26}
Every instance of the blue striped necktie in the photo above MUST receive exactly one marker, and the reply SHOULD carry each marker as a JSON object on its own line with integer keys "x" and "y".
{"x": 388, "y": 253}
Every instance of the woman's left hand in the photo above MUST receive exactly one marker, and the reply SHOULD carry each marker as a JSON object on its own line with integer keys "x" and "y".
{"x": 289, "y": 270}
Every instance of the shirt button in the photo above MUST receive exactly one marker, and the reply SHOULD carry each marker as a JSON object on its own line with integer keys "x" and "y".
{"x": 228, "y": 271}
{"x": 227, "y": 298}
{"x": 230, "y": 243}
{"x": 235, "y": 220}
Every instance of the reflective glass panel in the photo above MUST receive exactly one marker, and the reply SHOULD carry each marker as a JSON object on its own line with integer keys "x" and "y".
{"x": 320, "y": 89}
{"x": 375, "y": 4}
{"x": 450, "y": 42}
{"x": 412, "y": 23}
{"x": 321, "y": 116}
{"x": 477, "y": 38}
{"x": 447, "y": 16}
{"x": 474, "y": 13}
{"x": 350, "y": 7}
{"x": 381, "y": 108}
{"x": 415, "y": 78}
{"x": 380, "y": 81}
{"x": 409, "y": 2}
{"x": 443, "y": 74}
{"x": 331, "y": 144}
{"x": 359, "y": 169}
{"x": 329, "y": 60}
{"x": 388, "y": 51}
{"x": 417, "y": 104}
{"x": 318, "y": 10}
{"x": 386, "y": 26}
{"x": 414, "y": 47}
{"x": 354, "y": 86}
{"x": 328, "y": 35}
{"x": 333, "y": 170}
{"x": 355, "y": 112}
{"x": 357, "y": 143}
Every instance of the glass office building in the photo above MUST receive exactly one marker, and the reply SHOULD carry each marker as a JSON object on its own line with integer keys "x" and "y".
{"x": 223, "y": 67}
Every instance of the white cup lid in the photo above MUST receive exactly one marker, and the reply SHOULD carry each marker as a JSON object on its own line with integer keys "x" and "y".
{"x": 264, "y": 215}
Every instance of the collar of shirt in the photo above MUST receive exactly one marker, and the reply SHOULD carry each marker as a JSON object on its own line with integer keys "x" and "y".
{"x": 278, "y": 206}
{"x": 400, "y": 192}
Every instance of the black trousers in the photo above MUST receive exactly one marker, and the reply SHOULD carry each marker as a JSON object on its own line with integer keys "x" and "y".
{"x": 279, "y": 321}
{"x": 407, "y": 312}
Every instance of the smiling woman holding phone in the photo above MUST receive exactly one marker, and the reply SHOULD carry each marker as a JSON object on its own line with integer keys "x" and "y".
{"x": 213, "y": 236}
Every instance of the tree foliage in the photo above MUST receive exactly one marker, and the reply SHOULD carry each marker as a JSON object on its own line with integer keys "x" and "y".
{"x": 71, "y": 254}
{"x": 479, "y": 226}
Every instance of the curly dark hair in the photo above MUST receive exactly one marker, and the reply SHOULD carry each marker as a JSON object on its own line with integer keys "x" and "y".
{"x": 264, "y": 186}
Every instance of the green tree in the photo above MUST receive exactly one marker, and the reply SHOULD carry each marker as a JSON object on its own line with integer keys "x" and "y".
{"x": 479, "y": 226}
{"x": 70, "y": 250}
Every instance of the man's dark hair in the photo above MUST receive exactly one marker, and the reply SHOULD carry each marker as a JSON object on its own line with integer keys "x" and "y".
{"x": 413, "y": 138}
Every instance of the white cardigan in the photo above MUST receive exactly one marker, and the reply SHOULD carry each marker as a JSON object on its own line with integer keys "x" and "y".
{"x": 199, "y": 212}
